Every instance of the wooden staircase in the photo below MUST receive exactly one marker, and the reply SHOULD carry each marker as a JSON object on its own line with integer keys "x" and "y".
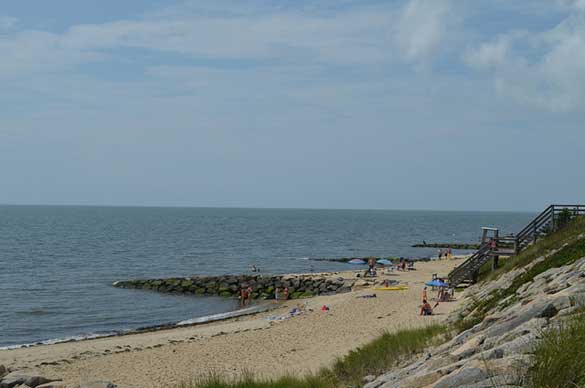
{"x": 546, "y": 222}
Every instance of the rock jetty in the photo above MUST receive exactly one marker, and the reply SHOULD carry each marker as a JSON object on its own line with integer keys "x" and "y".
{"x": 263, "y": 287}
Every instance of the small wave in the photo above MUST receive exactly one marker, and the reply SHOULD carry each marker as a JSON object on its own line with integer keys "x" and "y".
{"x": 302, "y": 258}
{"x": 74, "y": 338}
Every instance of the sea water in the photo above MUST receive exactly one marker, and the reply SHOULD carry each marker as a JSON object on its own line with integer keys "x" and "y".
{"x": 57, "y": 263}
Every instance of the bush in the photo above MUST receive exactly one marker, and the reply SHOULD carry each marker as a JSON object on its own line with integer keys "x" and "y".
{"x": 560, "y": 356}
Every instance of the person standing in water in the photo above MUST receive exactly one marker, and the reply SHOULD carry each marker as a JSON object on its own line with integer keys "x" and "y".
{"x": 249, "y": 294}
{"x": 243, "y": 296}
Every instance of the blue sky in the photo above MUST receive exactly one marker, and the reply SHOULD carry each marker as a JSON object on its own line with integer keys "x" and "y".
{"x": 407, "y": 104}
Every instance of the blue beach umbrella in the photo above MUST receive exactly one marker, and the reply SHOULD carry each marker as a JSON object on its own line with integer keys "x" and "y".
{"x": 356, "y": 261}
{"x": 384, "y": 262}
{"x": 437, "y": 283}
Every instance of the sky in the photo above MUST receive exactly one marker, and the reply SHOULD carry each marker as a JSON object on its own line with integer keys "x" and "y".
{"x": 397, "y": 104}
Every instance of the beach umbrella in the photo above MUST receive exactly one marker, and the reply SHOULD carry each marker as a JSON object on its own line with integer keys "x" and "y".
{"x": 437, "y": 283}
{"x": 384, "y": 262}
{"x": 356, "y": 261}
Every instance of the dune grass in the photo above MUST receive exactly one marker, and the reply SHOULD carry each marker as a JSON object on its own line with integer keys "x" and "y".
{"x": 374, "y": 358}
{"x": 559, "y": 358}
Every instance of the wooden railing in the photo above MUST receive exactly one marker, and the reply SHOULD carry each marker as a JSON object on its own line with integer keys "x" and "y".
{"x": 546, "y": 222}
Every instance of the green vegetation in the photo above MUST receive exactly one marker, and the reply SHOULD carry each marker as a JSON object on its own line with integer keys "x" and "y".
{"x": 560, "y": 356}
{"x": 376, "y": 357}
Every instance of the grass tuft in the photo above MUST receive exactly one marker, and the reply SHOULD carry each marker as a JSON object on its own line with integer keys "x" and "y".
{"x": 559, "y": 358}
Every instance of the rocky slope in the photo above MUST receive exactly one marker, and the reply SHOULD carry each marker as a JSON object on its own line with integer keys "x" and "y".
{"x": 497, "y": 351}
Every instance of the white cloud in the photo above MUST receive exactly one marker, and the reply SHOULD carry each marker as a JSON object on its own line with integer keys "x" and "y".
{"x": 344, "y": 37}
{"x": 422, "y": 28}
{"x": 7, "y": 22}
{"x": 578, "y": 4}
{"x": 544, "y": 69}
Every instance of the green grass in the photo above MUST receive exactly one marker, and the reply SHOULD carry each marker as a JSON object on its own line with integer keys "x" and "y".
{"x": 559, "y": 358}
{"x": 374, "y": 358}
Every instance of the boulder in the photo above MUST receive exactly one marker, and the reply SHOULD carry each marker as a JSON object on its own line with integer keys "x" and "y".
{"x": 463, "y": 376}
{"x": 14, "y": 379}
{"x": 3, "y": 371}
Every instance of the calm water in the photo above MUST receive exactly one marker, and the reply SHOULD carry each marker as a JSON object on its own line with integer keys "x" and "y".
{"x": 57, "y": 264}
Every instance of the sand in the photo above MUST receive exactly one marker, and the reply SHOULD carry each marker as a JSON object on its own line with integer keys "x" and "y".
{"x": 296, "y": 345}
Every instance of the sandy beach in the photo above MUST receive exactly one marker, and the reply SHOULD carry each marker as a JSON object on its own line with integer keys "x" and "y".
{"x": 253, "y": 343}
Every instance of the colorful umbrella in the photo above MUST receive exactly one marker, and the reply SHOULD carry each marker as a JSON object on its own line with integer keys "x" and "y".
{"x": 437, "y": 283}
{"x": 384, "y": 262}
{"x": 356, "y": 261}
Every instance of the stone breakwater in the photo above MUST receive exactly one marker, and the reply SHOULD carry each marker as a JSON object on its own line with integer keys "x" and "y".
{"x": 263, "y": 286}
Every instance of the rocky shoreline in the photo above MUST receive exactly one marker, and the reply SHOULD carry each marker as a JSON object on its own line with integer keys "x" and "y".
{"x": 496, "y": 350}
{"x": 263, "y": 287}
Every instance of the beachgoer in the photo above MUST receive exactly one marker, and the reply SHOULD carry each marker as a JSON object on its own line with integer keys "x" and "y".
{"x": 449, "y": 253}
{"x": 285, "y": 293}
{"x": 277, "y": 294}
{"x": 249, "y": 294}
{"x": 254, "y": 269}
{"x": 424, "y": 294}
{"x": 440, "y": 254}
{"x": 426, "y": 308}
{"x": 243, "y": 296}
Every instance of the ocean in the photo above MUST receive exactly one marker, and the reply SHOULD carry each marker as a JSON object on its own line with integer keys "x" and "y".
{"x": 58, "y": 263}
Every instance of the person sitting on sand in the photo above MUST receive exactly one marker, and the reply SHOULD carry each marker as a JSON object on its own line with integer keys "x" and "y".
{"x": 426, "y": 308}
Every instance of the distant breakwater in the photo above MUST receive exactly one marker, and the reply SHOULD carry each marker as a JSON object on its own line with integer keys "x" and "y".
{"x": 263, "y": 287}
{"x": 470, "y": 246}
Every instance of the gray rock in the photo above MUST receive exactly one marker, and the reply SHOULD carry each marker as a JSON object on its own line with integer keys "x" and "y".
{"x": 19, "y": 378}
{"x": 462, "y": 377}
{"x": 369, "y": 378}
{"x": 3, "y": 371}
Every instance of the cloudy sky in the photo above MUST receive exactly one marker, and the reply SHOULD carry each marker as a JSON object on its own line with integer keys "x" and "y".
{"x": 433, "y": 104}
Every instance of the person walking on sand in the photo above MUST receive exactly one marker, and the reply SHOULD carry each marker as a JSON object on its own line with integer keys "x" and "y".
{"x": 440, "y": 254}
{"x": 285, "y": 293}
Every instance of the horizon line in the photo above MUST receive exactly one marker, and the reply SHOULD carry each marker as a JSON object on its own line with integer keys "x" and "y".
{"x": 259, "y": 208}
